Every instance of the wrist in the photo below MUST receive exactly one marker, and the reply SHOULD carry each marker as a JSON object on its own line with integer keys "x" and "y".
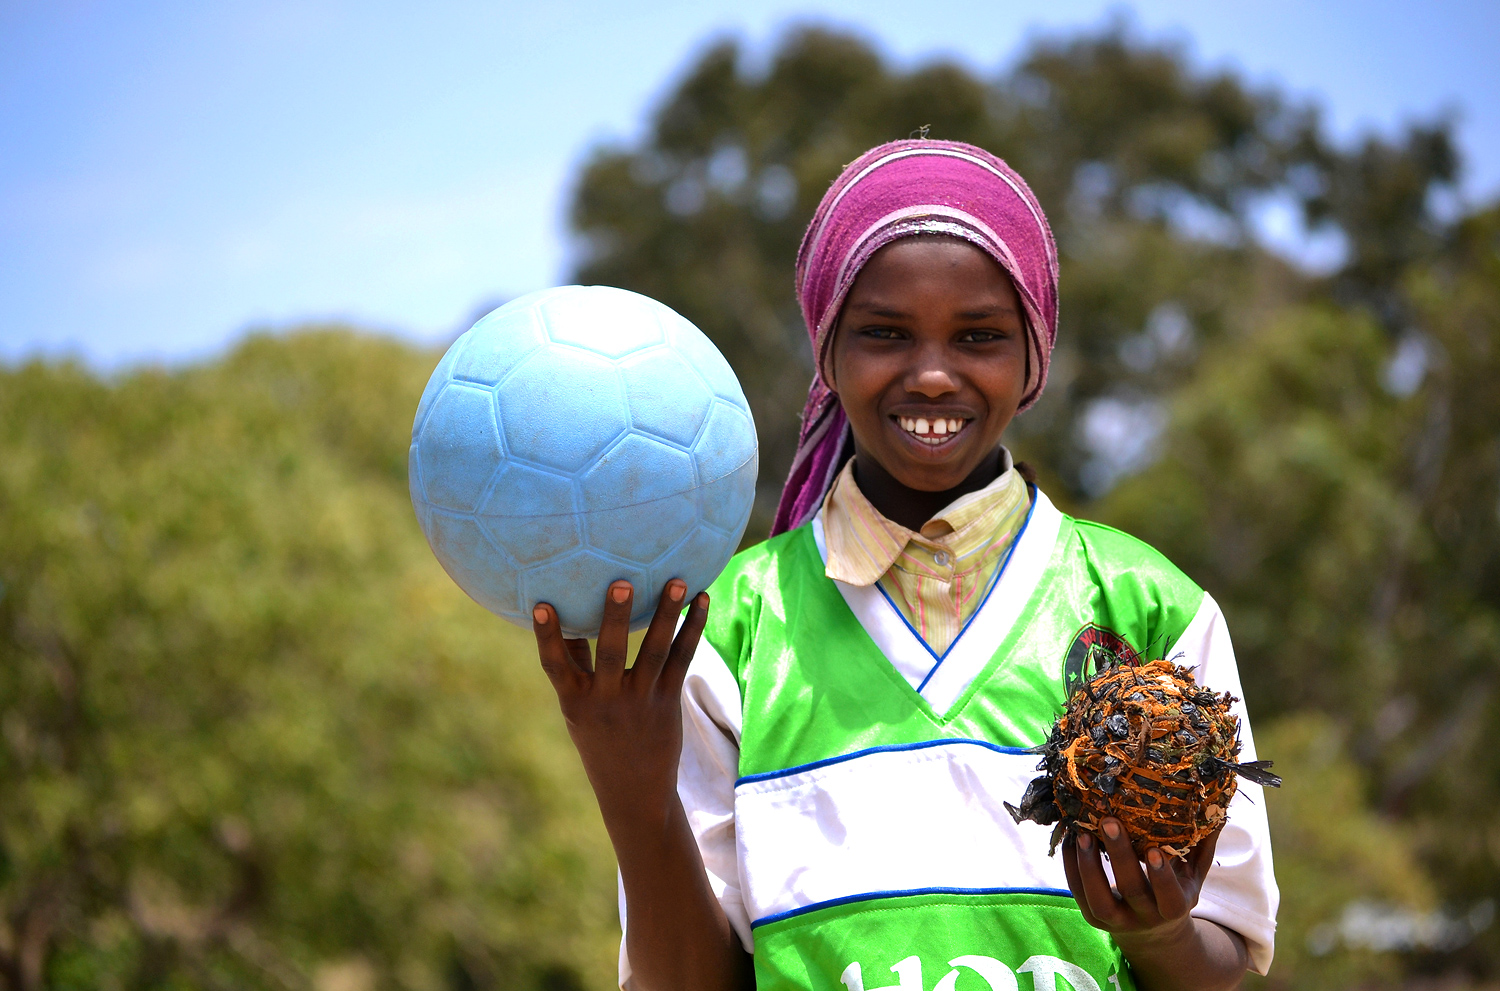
{"x": 634, "y": 817}
{"x": 632, "y": 788}
{"x": 1178, "y": 936}
{"x": 639, "y": 809}
{"x": 1188, "y": 955}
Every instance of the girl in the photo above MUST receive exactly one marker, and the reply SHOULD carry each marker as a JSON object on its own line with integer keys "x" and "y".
{"x": 804, "y": 787}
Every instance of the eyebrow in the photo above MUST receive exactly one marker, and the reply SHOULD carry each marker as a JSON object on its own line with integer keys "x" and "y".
{"x": 987, "y": 312}
{"x": 880, "y": 310}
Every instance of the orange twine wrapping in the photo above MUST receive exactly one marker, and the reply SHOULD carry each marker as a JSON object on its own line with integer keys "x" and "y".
{"x": 1146, "y": 745}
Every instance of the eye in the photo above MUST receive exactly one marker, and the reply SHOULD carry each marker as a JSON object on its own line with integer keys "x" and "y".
{"x": 982, "y": 336}
{"x": 881, "y": 333}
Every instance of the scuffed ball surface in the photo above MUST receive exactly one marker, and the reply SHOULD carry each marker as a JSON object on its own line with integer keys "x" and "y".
{"x": 574, "y": 437}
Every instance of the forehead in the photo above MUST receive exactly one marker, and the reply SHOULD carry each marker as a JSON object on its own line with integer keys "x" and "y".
{"x": 922, "y": 266}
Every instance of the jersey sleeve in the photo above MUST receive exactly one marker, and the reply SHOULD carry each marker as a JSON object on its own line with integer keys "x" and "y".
{"x": 1240, "y": 891}
{"x": 706, "y": 772}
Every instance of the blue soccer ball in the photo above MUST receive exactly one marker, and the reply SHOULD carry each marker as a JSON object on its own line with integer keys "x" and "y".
{"x": 574, "y": 437}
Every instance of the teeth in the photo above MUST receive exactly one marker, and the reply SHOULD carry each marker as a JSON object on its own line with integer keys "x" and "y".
{"x": 934, "y": 431}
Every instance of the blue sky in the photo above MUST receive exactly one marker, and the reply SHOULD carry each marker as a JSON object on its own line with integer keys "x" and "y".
{"x": 174, "y": 173}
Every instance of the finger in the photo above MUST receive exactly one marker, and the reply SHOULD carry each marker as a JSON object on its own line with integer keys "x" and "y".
{"x": 579, "y": 651}
{"x": 1129, "y": 879}
{"x": 1198, "y": 863}
{"x": 610, "y": 651}
{"x": 685, "y": 645}
{"x": 1101, "y": 901}
{"x": 1171, "y": 900}
{"x": 653, "y": 653}
{"x": 557, "y": 661}
{"x": 1075, "y": 882}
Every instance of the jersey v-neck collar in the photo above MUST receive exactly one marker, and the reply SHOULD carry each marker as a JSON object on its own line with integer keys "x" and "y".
{"x": 942, "y": 681}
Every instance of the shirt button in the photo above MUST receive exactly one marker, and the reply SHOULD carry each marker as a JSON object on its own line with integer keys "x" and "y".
{"x": 941, "y": 557}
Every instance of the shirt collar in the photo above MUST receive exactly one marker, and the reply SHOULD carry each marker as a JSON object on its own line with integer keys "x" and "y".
{"x": 863, "y": 544}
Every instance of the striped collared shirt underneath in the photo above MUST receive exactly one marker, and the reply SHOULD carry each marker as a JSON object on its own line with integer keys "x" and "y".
{"x": 936, "y": 577}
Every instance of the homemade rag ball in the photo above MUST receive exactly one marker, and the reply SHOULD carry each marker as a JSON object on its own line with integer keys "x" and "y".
{"x": 1145, "y": 744}
{"x": 574, "y": 437}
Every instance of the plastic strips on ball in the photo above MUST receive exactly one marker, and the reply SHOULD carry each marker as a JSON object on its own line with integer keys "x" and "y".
{"x": 1148, "y": 746}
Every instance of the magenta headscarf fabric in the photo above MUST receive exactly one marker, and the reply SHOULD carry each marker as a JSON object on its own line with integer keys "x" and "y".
{"x": 898, "y": 190}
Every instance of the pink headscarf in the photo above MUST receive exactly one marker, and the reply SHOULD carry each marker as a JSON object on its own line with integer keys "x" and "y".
{"x": 898, "y": 190}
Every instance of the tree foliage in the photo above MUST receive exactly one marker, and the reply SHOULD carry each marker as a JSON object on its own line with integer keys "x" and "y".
{"x": 1152, "y": 173}
{"x": 1336, "y": 487}
{"x": 253, "y": 735}
{"x": 1332, "y": 851}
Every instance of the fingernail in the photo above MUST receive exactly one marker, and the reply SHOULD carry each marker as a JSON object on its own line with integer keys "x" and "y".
{"x": 1111, "y": 829}
{"x": 1153, "y": 857}
{"x": 701, "y": 600}
{"x": 620, "y": 592}
{"x": 539, "y": 614}
{"x": 1085, "y": 841}
{"x": 676, "y": 590}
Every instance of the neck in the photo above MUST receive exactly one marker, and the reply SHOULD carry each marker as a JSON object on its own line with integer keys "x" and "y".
{"x": 913, "y": 507}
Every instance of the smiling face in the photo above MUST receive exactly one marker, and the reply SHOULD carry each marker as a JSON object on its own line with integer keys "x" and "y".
{"x": 929, "y": 363}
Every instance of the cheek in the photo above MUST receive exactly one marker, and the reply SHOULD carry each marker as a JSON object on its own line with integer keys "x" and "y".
{"x": 1003, "y": 385}
{"x": 856, "y": 378}
{"x": 1013, "y": 371}
{"x": 837, "y": 364}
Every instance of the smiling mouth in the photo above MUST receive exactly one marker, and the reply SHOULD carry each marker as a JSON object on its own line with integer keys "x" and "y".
{"x": 932, "y": 431}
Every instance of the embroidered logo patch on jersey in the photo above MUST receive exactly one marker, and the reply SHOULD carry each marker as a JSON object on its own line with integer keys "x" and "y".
{"x": 1094, "y": 648}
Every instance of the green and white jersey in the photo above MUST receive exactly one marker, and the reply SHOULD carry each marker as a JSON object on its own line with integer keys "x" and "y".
{"x": 846, "y": 785}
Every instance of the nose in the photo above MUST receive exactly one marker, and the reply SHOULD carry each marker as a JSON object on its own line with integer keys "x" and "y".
{"x": 931, "y": 382}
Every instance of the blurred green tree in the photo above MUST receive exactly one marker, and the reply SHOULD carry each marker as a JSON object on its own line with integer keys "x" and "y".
{"x": 1153, "y": 175}
{"x": 1336, "y": 488}
{"x": 1332, "y": 851}
{"x": 253, "y": 736}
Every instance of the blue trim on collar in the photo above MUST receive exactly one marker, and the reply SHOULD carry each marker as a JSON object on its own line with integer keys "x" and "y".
{"x": 918, "y": 637}
{"x": 994, "y": 583}
{"x": 871, "y": 895}
{"x": 884, "y": 749}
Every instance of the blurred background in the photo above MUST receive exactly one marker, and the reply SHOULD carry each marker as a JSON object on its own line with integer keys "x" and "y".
{"x": 252, "y": 737}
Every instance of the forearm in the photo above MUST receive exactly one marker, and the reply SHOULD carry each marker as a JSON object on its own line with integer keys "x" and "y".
{"x": 627, "y": 726}
{"x": 677, "y": 936}
{"x": 1197, "y": 956}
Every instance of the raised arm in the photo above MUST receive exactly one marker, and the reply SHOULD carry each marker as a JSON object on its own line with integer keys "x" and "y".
{"x": 627, "y": 726}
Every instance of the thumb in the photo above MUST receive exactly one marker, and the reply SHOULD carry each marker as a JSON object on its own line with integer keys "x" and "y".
{"x": 552, "y": 650}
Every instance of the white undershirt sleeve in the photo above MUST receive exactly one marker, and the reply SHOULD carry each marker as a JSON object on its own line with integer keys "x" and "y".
{"x": 705, "y": 782}
{"x": 1240, "y": 891}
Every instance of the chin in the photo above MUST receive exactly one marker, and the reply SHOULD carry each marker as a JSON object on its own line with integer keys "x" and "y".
{"x": 931, "y": 477}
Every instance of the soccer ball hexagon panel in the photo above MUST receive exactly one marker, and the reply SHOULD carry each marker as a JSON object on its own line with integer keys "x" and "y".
{"x": 577, "y": 436}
